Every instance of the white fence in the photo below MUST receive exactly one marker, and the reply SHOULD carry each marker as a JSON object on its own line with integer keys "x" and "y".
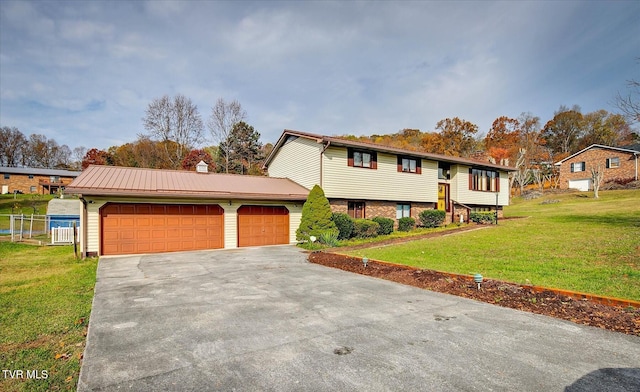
{"x": 63, "y": 235}
{"x": 21, "y": 227}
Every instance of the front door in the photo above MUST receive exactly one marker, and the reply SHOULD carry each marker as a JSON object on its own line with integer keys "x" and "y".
{"x": 443, "y": 197}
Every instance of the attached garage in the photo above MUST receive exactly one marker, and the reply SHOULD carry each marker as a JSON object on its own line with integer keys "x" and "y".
{"x": 131, "y": 228}
{"x": 135, "y": 211}
{"x": 263, "y": 225}
{"x": 581, "y": 185}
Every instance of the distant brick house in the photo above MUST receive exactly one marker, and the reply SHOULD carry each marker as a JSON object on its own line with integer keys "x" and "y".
{"x": 32, "y": 180}
{"x": 617, "y": 163}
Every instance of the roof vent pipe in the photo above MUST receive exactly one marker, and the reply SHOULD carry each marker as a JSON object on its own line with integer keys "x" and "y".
{"x": 202, "y": 167}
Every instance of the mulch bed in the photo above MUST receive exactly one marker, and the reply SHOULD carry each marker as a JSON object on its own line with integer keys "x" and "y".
{"x": 526, "y": 298}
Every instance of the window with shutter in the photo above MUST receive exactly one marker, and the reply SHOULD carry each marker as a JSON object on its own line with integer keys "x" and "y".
{"x": 359, "y": 158}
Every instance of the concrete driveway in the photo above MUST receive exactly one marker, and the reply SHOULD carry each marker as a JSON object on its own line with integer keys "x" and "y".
{"x": 265, "y": 319}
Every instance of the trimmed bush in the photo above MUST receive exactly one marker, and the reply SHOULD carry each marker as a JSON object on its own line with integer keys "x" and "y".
{"x": 344, "y": 223}
{"x": 365, "y": 228}
{"x": 386, "y": 225}
{"x": 316, "y": 216}
{"x": 406, "y": 224}
{"x": 483, "y": 217}
{"x": 432, "y": 218}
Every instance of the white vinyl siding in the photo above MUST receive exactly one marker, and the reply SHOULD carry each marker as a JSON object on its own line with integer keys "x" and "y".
{"x": 461, "y": 193}
{"x": 298, "y": 160}
{"x": 92, "y": 228}
{"x": 383, "y": 183}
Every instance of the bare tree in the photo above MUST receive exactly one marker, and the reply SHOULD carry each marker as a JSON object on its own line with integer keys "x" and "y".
{"x": 630, "y": 104}
{"x": 597, "y": 175}
{"x": 176, "y": 122}
{"x": 224, "y": 115}
{"x": 521, "y": 176}
{"x": 77, "y": 155}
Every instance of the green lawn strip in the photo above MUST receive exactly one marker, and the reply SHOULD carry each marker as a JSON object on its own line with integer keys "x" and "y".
{"x": 578, "y": 244}
{"x": 46, "y": 298}
{"x": 24, "y": 204}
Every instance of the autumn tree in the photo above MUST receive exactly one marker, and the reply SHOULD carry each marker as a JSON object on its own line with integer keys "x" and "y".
{"x": 503, "y": 139}
{"x": 176, "y": 123}
{"x": 12, "y": 143}
{"x": 602, "y": 127}
{"x": 39, "y": 151}
{"x": 145, "y": 152}
{"x": 224, "y": 115}
{"x": 96, "y": 157}
{"x": 241, "y": 151}
{"x": 194, "y": 157}
{"x": 563, "y": 133}
{"x": 455, "y": 137}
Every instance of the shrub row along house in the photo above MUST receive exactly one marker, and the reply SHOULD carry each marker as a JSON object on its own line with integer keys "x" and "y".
{"x": 133, "y": 210}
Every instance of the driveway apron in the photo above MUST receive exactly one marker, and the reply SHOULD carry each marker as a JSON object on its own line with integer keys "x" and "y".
{"x": 264, "y": 319}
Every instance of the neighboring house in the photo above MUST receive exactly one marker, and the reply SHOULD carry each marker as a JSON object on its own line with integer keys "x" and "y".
{"x": 616, "y": 162}
{"x": 367, "y": 180}
{"x": 31, "y": 180}
{"x": 133, "y": 210}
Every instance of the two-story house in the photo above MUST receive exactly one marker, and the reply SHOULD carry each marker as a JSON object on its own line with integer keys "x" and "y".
{"x": 616, "y": 163}
{"x": 35, "y": 180}
{"x": 367, "y": 180}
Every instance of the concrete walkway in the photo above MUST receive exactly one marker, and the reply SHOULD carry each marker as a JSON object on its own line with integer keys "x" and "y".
{"x": 265, "y": 319}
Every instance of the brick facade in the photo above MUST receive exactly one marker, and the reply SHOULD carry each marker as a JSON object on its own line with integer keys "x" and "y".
{"x": 594, "y": 156}
{"x": 33, "y": 183}
{"x": 386, "y": 209}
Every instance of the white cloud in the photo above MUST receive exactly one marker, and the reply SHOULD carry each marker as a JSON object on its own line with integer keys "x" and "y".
{"x": 327, "y": 67}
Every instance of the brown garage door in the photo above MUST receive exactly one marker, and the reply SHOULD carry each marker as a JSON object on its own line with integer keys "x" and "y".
{"x": 153, "y": 228}
{"x": 263, "y": 225}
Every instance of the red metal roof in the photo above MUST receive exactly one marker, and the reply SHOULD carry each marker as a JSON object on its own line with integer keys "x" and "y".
{"x": 130, "y": 181}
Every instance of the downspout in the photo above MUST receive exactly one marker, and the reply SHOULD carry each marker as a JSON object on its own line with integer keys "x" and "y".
{"x": 83, "y": 226}
{"x": 321, "y": 162}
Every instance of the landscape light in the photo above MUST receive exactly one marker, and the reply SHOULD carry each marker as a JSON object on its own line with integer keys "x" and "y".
{"x": 365, "y": 261}
{"x": 478, "y": 279}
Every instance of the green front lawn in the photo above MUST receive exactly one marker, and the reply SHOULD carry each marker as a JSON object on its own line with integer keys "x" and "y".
{"x": 578, "y": 243}
{"x": 45, "y": 296}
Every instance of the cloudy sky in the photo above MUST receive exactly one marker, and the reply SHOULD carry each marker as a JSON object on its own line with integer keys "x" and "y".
{"x": 83, "y": 72}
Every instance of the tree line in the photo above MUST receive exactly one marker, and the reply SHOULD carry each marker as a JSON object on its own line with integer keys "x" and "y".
{"x": 174, "y": 139}
{"x": 176, "y": 132}
{"x": 523, "y": 142}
